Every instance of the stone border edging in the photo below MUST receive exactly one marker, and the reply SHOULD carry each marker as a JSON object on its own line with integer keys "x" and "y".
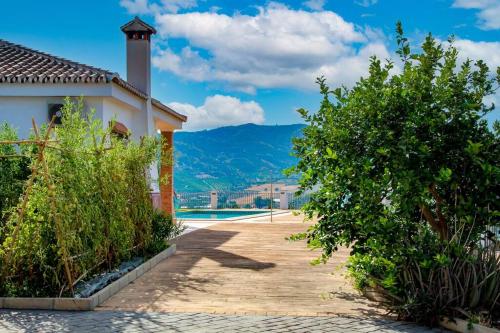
{"x": 245, "y": 218}
{"x": 89, "y": 303}
{"x": 461, "y": 326}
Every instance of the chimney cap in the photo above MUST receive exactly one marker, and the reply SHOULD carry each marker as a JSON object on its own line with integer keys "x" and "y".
{"x": 137, "y": 25}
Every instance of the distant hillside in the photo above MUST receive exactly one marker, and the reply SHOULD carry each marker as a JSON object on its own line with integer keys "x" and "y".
{"x": 233, "y": 157}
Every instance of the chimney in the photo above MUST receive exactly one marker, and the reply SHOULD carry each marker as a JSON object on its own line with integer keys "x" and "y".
{"x": 138, "y": 35}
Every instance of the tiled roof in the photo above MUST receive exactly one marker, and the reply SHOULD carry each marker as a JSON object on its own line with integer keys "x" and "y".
{"x": 138, "y": 25}
{"x": 19, "y": 64}
{"x": 167, "y": 109}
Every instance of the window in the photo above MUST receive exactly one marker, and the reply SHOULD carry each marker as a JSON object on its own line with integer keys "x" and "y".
{"x": 138, "y": 35}
{"x": 55, "y": 110}
{"x": 119, "y": 130}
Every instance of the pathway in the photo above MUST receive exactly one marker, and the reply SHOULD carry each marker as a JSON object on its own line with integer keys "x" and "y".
{"x": 245, "y": 268}
{"x": 137, "y": 322}
{"x": 229, "y": 277}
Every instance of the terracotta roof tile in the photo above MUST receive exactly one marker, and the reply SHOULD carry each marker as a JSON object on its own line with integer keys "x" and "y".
{"x": 167, "y": 109}
{"x": 19, "y": 64}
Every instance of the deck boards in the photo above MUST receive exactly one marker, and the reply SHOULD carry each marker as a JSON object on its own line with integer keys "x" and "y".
{"x": 245, "y": 268}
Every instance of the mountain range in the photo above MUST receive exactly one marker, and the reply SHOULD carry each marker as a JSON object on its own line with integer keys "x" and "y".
{"x": 233, "y": 157}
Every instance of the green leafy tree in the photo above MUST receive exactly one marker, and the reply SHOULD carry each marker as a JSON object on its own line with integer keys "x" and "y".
{"x": 408, "y": 174}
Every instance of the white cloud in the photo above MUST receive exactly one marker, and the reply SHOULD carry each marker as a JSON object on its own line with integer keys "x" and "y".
{"x": 174, "y": 6}
{"x": 487, "y": 51}
{"x": 188, "y": 64}
{"x": 142, "y": 7}
{"x": 136, "y": 7}
{"x": 277, "y": 47}
{"x": 490, "y": 53}
{"x": 219, "y": 110}
{"x": 315, "y": 4}
{"x": 489, "y": 12}
{"x": 366, "y": 3}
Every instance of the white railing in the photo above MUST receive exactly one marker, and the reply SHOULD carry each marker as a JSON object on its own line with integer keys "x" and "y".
{"x": 192, "y": 200}
{"x": 239, "y": 200}
{"x": 495, "y": 240}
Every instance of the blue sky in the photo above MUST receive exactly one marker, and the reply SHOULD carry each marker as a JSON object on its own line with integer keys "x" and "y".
{"x": 230, "y": 62}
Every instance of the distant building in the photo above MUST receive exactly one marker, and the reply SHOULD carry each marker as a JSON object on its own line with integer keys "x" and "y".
{"x": 276, "y": 188}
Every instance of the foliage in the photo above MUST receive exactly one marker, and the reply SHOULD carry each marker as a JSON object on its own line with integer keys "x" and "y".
{"x": 260, "y": 203}
{"x": 233, "y": 204}
{"x": 408, "y": 176}
{"x": 88, "y": 210}
{"x": 14, "y": 171}
{"x": 163, "y": 229}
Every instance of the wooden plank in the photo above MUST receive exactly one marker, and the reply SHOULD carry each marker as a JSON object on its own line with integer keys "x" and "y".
{"x": 245, "y": 268}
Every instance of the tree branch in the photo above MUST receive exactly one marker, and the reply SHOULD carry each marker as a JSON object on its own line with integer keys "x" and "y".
{"x": 443, "y": 226}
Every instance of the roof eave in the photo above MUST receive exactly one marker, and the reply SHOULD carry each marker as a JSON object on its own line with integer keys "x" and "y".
{"x": 138, "y": 21}
{"x": 127, "y": 86}
{"x": 168, "y": 110}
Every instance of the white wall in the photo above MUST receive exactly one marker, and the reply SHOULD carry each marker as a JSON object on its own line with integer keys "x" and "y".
{"x": 129, "y": 116}
{"x": 18, "y": 111}
{"x": 20, "y": 102}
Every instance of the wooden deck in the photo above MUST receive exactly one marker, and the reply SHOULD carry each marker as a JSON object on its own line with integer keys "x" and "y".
{"x": 245, "y": 268}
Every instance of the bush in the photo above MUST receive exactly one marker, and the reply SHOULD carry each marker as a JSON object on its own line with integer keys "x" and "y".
{"x": 260, "y": 203}
{"x": 408, "y": 174}
{"x": 14, "y": 172}
{"x": 88, "y": 210}
{"x": 163, "y": 229}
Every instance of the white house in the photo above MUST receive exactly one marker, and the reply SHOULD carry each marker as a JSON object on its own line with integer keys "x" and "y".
{"x": 33, "y": 84}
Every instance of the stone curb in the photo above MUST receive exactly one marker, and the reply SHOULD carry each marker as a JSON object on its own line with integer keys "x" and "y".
{"x": 461, "y": 326}
{"x": 89, "y": 303}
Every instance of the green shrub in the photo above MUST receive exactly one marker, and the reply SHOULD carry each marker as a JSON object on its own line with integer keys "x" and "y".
{"x": 408, "y": 174}
{"x": 259, "y": 202}
{"x": 88, "y": 210}
{"x": 13, "y": 172}
{"x": 163, "y": 229}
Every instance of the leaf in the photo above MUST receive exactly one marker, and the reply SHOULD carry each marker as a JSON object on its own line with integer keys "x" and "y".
{"x": 473, "y": 148}
{"x": 445, "y": 174}
{"x": 383, "y": 151}
{"x": 331, "y": 154}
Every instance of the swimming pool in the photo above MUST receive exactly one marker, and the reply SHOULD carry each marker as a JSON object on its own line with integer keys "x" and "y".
{"x": 217, "y": 214}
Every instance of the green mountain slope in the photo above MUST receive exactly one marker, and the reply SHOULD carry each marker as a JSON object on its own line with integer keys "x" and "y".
{"x": 233, "y": 157}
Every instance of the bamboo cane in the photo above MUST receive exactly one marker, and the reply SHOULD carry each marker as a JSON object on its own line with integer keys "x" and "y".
{"x": 53, "y": 204}
{"x": 13, "y": 156}
{"x": 20, "y": 142}
{"x": 29, "y": 186}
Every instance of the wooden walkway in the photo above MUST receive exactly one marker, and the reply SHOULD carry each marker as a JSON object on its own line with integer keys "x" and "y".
{"x": 245, "y": 268}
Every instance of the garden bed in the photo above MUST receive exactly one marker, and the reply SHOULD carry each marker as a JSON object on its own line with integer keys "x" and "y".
{"x": 88, "y": 303}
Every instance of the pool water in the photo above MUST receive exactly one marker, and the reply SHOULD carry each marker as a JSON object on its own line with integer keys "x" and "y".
{"x": 216, "y": 214}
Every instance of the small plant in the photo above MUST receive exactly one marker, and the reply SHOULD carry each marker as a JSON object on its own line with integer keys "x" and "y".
{"x": 163, "y": 230}
{"x": 260, "y": 202}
